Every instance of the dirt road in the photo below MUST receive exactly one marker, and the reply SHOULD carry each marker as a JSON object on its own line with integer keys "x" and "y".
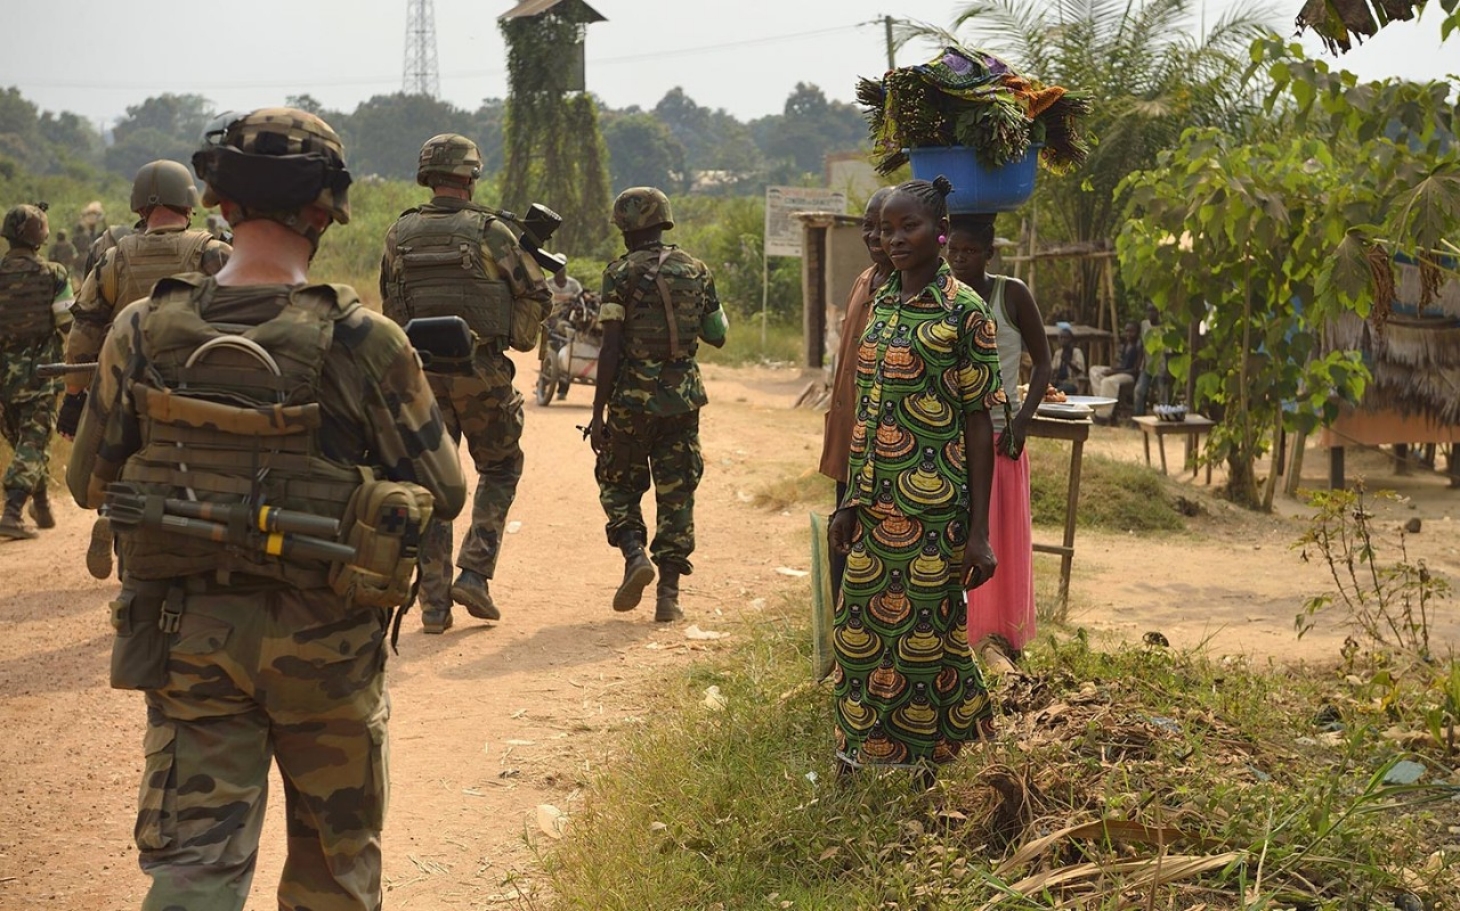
{"x": 492, "y": 721}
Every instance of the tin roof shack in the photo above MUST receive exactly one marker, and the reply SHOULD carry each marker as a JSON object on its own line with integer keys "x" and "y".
{"x": 1414, "y": 356}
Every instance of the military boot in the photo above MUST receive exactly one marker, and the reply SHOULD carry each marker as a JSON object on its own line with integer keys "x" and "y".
{"x": 40, "y": 508}
{"x": 10, "y": 524}
{"x": 99, "y": 551}
{"x": 470, "y": 591}
{"x": 638, "y": 573}
{"x": 666, "y": 596}
{"x": 435, "y": 620}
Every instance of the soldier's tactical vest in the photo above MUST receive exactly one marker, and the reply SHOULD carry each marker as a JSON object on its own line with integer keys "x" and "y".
{"x": 439, "y": 271}
{"x": 27, "y": 288}
{"x": 664, "y": 306}
{"x": 216, "y": 420}
{"x": 141, "y": 260}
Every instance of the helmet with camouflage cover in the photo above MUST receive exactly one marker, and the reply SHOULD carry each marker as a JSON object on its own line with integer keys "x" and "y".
{"x": 26, "y": 225}
{"x": 163, "y": 183}
{"x": 93, "y": 212}
{"x": 640, "y": 208}
{"x": 451, "y": 157}
{"x": 273, "y": 163}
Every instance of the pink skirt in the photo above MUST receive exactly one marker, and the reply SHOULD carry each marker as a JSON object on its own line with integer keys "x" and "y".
{"x": 1005, "y": 604}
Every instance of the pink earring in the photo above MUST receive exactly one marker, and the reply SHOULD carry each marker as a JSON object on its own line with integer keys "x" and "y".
{"x": 942, "y": 239}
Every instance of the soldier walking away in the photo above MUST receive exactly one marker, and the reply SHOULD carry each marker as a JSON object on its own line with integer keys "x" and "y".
{"x": 35, "y": 302}
{"x": 89, "y": 226}
{"x": 64, "y": 252}
{"x": 658, "y": 304}
{"x": 163, "y": 196}
{"x": 452, "y": 257}
{"x": 255, "y": 396}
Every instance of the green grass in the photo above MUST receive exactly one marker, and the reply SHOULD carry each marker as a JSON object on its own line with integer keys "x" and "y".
{"x": 1114, "y": 496}
{"x": 743, "y": 346}
{"x": 740, "y": 808}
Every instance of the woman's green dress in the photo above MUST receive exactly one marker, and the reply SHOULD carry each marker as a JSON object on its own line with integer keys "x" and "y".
{"x": 908, "y": 692}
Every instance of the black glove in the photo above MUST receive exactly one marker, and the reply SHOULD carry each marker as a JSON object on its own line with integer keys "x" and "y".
{"x": 69, "y": 417}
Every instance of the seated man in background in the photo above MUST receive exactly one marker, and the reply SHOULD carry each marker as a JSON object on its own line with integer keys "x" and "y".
{"x": 1067, "y": 367}
{"x": 1108, "y": 381}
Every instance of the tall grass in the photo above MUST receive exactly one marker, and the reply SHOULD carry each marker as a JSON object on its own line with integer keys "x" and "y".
{"x": 1213, "y": 771}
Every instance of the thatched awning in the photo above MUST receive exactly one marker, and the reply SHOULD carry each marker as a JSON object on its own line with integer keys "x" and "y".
{"x": 1415, "y": 363}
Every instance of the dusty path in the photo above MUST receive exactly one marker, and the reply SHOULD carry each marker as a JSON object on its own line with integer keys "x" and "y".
{"x": 489, "y": 722}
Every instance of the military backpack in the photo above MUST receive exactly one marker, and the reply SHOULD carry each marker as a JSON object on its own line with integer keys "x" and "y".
{"x": 439, "y": 271}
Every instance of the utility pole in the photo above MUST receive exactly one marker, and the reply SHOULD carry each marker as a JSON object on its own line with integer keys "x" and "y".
{"x": 891, "y": 56}
{"x": 419, "y": 73}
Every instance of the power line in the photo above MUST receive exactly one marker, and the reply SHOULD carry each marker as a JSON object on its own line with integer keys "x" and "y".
{"x": 463, "y": 74}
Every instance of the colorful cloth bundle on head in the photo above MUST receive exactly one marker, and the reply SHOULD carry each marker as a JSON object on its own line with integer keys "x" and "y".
{"x": 972, "y": 98}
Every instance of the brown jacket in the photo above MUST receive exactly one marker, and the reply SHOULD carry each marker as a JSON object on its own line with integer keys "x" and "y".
{"x": 836, "y": 442}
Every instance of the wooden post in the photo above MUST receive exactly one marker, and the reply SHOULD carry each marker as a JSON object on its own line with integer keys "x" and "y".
{"x": 1295, "y": 465}
{"x": 1335, "y": 468}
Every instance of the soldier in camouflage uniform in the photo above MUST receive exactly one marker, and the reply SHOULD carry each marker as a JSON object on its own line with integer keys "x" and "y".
{"x": 247, "y": 654}
{"x": 658, "y": 304}
{"x": 64, "y": 252}
{"x": 452, "y": 257}
{"x": 35, "y": 301}
{"x": 126, "y": 267}
{"x": 89, "y": 226}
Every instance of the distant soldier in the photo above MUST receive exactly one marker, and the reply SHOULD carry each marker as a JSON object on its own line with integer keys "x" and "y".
{"x": 164, "y": 196}
{"x": 658, "y": 304}
{"x": 89, "y": 226}
{"x": 64, "y": 252}
{"x": 253, "y": 389}
{"x": 452, "y": 257}
{"x": 35, "y": 302}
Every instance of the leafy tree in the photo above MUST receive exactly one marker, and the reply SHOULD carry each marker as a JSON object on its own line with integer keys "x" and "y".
{"x": 312, "y": 105}
{"x": 180, "y": 116}
{"x": 1267, "y": 241}
{"x": 808, "y": 128}
{"x": 384, "y": 135}
{"x": 163, "y": 126}
{"x": 1149, "y": 79}
{"x": 712, "y": 140}
{"x": 139, "y": 146}
{"x": 487, "y": 124}
{"x": 642, "y": 152}
{"x": 554, "y": 150}
{"x": 1337, "y": 23}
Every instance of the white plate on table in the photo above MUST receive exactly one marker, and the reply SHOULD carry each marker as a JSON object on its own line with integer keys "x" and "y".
{"x": 1067, "y": 411}
{"x": 1089, "y": 401}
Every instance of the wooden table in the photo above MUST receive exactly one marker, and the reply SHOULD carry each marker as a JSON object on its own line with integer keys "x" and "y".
{"x": 1077, "y": 432}
{"x": 1192, "y": 428}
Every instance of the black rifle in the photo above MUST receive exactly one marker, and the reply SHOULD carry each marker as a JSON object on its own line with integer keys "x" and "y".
{"x": 535, "y": 228}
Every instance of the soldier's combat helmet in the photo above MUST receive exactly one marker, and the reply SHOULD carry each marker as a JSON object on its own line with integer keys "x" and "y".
{"x": 448, "y": 157}
{"x": 640, "y": 208}
{"x": 273, "y": 163}
{"x": 26, "y": 225}
{"x": 163, "y": 183}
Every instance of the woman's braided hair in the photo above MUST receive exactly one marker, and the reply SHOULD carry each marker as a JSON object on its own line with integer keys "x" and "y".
{"x": 932, "y": 194}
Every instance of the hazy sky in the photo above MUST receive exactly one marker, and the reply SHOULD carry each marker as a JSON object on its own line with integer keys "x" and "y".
{"x": 96, "y": 58}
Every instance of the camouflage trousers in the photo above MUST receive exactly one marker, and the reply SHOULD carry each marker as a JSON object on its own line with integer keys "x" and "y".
{"x": 487, "y": 410}
{"x": 280, "y": 674}
{"x": 27, "y": 415}
{"x": 662, "y": 448}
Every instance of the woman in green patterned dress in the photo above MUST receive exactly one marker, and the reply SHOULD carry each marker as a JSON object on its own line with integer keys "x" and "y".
{"x": 914, "y": 523}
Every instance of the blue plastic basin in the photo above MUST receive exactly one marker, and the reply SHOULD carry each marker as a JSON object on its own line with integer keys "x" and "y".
{"x": 977, "y": 188}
